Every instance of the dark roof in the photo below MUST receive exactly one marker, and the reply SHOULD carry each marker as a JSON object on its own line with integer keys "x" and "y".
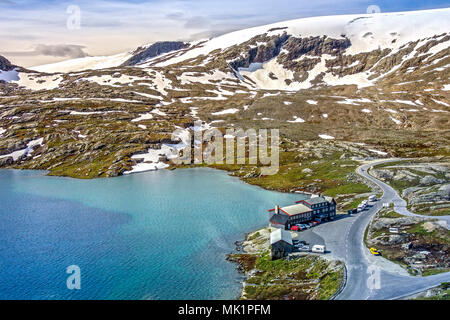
{"x": 316, "y": 200}
{"x": 279, "y": 218}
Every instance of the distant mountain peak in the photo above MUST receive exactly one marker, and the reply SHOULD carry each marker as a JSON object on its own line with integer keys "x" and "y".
{"x": 142, "y": 54}
{"x": 5, "y": 64}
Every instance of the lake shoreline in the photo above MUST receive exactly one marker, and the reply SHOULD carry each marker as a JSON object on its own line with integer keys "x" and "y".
{"x": 197, "y": 214}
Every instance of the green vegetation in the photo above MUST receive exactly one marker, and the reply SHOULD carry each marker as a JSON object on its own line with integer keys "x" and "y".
{"x": 246, "y": 261}
{"x": 254, "y": 236}
{"x": 350, "y": 188}
{"x": 423, "y": 236}
{"x": 430, "y": 272}
{"x": 425, "y": 209}
{"x": 442, "y": 293}
{"x": 436, "y": 237}
{"x": 330, "y": 284}
{"x": 407, "y": 174}
{"x": 292, "y": 279}
{"x": 352, "y": 205}
{"x": 327, "y": 175}
{"x": 389, "y": 214}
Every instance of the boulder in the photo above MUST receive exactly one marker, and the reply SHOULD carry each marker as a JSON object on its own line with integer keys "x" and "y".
{"x": 6, "y": 161}
{"x": 430, "y": 180}
{"x": 5, "y": 65}
{"x": 397, "y": 238}
{"x": 430, "y": 226}
{"x": 405, "y": 176}
{"x": 409, "y": 191}
{"x": 382, "y": 174}
{"x": 397, "y": 222}
{"x": 407, "y": 246}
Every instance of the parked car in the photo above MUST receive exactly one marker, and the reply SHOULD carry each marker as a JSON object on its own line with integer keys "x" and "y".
{"x": 318, "y": 248}
{"x": 375, "y": 252}
{"x": 303, "y": 248}
{"x": 306, "y": 226}
{"x": 373, "y": 198}
{"x": 294, "y": 228}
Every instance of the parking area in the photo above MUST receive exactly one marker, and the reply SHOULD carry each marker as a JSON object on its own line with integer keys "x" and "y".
{"x": 305, "y": 240}
{"x": 308, "y": 225}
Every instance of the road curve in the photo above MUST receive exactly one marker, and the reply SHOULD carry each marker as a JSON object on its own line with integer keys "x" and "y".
{"x": 400, "y": 205}
{"x": 367, "y": 279}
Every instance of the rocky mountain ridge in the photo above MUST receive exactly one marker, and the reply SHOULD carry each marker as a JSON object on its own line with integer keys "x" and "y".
{"x": 5, "y": 64}
{"x": 361, "y": 80}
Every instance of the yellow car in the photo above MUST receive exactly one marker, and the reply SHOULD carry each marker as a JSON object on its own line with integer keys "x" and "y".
{"x": 375, "y": 252}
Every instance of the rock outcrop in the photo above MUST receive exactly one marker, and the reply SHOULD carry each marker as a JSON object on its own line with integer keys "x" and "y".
{"x": 154, "y": 50}
{"x": 5, "y": 64}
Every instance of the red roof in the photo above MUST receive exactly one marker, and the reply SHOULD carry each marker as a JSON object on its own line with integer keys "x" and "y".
{"x": 303, "y": 201}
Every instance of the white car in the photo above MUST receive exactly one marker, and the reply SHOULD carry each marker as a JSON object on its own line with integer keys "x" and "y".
{"x": 318, "y": 248}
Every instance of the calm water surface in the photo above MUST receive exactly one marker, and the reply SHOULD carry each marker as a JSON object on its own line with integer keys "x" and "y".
{"x": 155, "y": 235}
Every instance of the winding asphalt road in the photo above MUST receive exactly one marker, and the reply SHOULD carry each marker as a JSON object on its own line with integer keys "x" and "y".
{"x": 370, "y": 277}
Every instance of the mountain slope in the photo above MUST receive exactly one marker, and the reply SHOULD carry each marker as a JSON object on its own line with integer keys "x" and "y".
{"x": 376, "y": 83}
{"x": 85, "y": 63}
{"x": 156, "y": 49}
{"x": 7, "y": 72}
{"x": 366, "y": 32}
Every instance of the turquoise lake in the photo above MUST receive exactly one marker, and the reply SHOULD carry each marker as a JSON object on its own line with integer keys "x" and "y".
{"x": 153, "y": 235}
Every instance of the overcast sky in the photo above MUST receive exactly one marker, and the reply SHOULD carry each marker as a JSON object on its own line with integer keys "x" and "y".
{"x": 39, "y": 32}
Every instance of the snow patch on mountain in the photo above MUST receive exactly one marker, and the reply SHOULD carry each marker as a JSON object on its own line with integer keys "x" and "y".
{"x": 387, "y": 30}
{"x": 297, "y": 120}
{"x": 227, "y": 111}
{"x": 24, "y": 152}
{"x": 36, "y": 81}
{"x": 87, "y": 63}
{"x": 108, "y": 80}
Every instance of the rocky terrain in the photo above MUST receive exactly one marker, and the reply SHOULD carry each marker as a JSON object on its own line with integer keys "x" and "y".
{"x": 299, "y": 277}
{"x": 364, "y": 86}
{"x": 156, "y": 49}
{"x": 5, "y": 64}
{"x": 421, "y": 245}
{"x": 423, "y": 183}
